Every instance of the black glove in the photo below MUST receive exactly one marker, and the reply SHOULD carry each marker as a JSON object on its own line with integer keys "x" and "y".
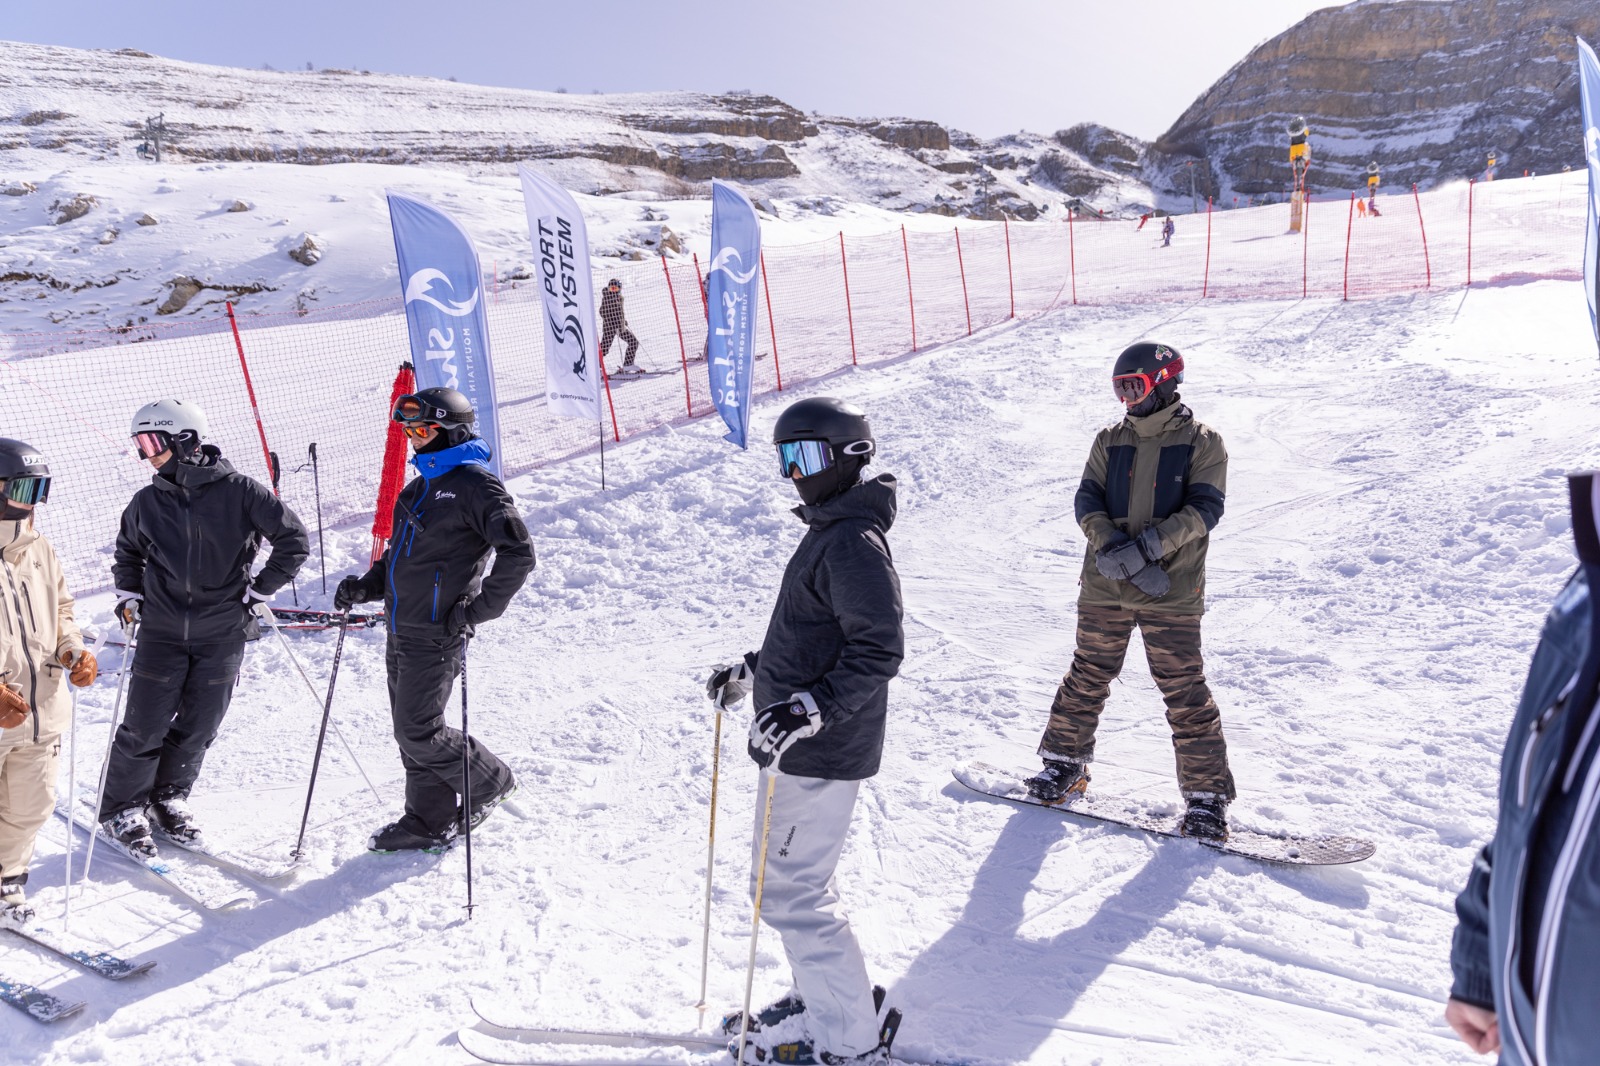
{"x": 1152, "y": 581}
{"x": 729, "y": 684}
{"x": 1122, "y": 561}
{"x": 458, "y": 621}
{"x": 778, "y": 726}
{"x": 349, "y": 593}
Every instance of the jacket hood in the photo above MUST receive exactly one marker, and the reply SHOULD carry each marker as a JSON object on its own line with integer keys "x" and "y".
{"x": 431, "y": 464}
{"x": 873, "y": 500}
{"x": 15, "y": 536}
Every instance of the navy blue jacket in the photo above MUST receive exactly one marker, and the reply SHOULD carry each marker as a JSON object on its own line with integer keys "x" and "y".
{"x": 836, "y": 633}
{"x": 446, "y": 522}
{"x": 1529, "y": 931}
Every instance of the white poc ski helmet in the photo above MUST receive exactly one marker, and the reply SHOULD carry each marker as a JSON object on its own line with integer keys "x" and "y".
{"x": 183, "y": 424}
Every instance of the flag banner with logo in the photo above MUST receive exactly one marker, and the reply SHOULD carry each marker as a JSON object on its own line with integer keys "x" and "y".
{"x": 731, "y": 306}
{"x": 566, "y": 286}
{"x": 1589, "y": 82}
{"x": 442, "y": 284}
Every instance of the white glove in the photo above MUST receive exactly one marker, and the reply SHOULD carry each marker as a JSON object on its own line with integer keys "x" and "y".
{"x": 127, "y": 610}
{"x": 779, "y": 725}
{"x": 728, "y": 685}
{"x": 256, "y": 603}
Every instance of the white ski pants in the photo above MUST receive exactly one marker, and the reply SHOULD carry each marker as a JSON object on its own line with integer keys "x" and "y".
{"x": 810, "y": 818}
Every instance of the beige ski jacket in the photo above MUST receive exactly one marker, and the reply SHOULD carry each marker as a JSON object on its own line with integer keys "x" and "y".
{"x": 36, "y": 626}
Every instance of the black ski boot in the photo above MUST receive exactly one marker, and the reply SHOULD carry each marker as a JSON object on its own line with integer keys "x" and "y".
{"x": 1206, "y": 819}
{"x": 170, "y": 816}
{"x": 482, "y": 810}
{"x": 806, "y": 1053}
{"x": 14, "y": 901}
{"x": 409, "y": 834}
{"x": 782, "y": 1009}
{"x": 1058, "y": 780}
{"x": 130, "y": 830}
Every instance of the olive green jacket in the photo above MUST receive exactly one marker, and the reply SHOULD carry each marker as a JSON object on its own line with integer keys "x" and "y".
{"x": 1165, "y": 470}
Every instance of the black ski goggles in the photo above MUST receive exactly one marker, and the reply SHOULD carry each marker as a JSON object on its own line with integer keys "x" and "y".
{"x": 409, "y": 409}
{"x": 811, "y": 457}
{"x": 28, "y": 489}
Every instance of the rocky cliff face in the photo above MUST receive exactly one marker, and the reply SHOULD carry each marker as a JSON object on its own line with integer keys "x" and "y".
{"x": 1427, "y": 88}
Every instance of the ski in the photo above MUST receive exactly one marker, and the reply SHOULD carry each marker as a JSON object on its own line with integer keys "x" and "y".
{"x": 305, "y": 618}
{"x": 1291, "y": 849}
{"x": 216, "y": 892}
{"x": 262, "y": 870}
{"x": 38, "y": 1004}
{"x": 103, "y": 963}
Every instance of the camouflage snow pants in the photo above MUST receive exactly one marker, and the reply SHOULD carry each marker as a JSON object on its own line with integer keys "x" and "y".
{"x": 1172, "y": 647}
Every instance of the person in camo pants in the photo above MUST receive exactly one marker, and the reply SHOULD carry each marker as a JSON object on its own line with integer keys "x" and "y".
{"x": 1152, "y": 491}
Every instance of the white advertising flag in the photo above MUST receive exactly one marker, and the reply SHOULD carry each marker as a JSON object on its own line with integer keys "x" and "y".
{"x": 566, "y": 287}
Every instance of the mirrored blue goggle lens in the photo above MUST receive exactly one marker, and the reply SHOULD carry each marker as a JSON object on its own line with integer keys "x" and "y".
{"x": 808, "y": 456}
{"x": 28, "y": 489}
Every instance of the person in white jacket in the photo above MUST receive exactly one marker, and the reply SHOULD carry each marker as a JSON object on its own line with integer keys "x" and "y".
{"x": 41, "y": 651}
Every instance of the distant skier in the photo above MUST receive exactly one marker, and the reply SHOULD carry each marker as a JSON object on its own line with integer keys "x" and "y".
{"x": 821, "y": 682}
{"x": 1168, "y": 228}
{"x": 1372, "y": 208}
{"x": 43, "y": 650}
{"x": 182, "y": 571}
{"x": 1152, "y": 491}
{"x": 1361, "y": 207}
{"x": 614, "y": 324}
{"x": 1142, "y": 220}
{"x": 431, "y": 579}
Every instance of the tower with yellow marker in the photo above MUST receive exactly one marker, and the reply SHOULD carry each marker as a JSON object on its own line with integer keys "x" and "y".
{"x": 1300, "y": 161}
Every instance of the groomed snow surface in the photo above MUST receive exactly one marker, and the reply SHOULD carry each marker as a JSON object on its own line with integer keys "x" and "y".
{"x": 1396, "y": 527}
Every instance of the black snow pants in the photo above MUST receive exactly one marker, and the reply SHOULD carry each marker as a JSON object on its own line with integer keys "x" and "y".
{"x": 422, "y": 672}
{"x": 177, "y": 697}
{"x": 610, "y": 332}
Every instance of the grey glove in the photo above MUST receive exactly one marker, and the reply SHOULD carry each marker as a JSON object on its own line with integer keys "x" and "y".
{"x": 728, "y": 685}
{"x": 1152, "y": 581}
{"x": 1105, "y": 559}
{"x": 1123, "y": 561}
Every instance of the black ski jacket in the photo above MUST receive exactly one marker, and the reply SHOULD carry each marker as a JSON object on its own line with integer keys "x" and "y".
{"x": 611, "y": 315}
{"x": 187, "y": 542}
{"x": 446, "y": 522}
{"x": 836, "y": 633}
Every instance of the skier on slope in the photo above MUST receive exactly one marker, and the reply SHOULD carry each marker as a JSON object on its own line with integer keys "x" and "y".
{"x": 446, "y": 522}
{"x": 1151, "y": 493}
{"x": 182, "y": 571}
{"x": 1168, "y": 228}
{"x": 614, "y": 324}
{"x": 42, "y": 650}
{"x": 821, "y": 682}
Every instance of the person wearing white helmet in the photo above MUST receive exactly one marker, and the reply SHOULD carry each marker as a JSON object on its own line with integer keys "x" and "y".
{"x": 182, "y": 570}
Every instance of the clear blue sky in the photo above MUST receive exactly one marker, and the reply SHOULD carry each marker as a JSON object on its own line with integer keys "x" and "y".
{"x": 986, "y": 68}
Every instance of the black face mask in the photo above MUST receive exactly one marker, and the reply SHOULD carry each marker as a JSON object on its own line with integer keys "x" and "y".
{"x": 14, "y": 512}
{"x": 1156, "y": 401}
{"x": 822, "y": 487}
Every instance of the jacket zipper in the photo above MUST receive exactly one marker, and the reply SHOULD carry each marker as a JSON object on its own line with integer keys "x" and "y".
{"x": 33, "y": 675}
{"x": 1531, "y": 745}
{"x": 437, "y": 577}
{"x": 188, "y": 570}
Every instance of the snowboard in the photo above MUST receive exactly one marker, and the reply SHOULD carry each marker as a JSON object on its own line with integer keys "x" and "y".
{"x": 1290, "y": 848}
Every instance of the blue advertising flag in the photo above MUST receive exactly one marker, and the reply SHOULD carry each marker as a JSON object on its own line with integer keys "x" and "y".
{"x": 1589, "y": 81}
{"x": 442, "y": 285}
{"x": 731, "y": 306}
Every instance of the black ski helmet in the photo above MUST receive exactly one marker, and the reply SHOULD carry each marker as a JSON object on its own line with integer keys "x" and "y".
{"x": 449, "y": 408}
{"x": 848, "y": 435}
{"x": 22, "y": 460}
{"x": 1154, "y": 370}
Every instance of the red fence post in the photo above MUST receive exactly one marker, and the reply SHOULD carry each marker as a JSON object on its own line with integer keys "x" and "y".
{"x": 1205, "y": 282}
{"x": 701, "y": 282}
{"x": 1072, "y": 255}
{"x": 1472, "y": 183}
{"x": 849, "y": 315}
{"x": 266, "y": 453}
{"x": 683, "y": 351}
{"x": 605, "y": 379}
{"x": 1305, "y": 245}
{"x": 911, "y": 297}
{"x": 1011, "y": 281}
{"x": 1349, "y": 227}
{"x": 1427, "y": 265}
{"x": 961, "y": 263}
{"x": 772, "y": 326}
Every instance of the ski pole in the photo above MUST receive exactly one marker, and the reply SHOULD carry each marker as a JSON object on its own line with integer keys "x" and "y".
{"x": 105, "y": 766}
{"x": 322, "y": 733}
{"x": 265, "y": 614}
{"x": 755, "y": 919}
{"x": 72, "y": 792}
{"x": 316, "y": 484}
{"x": 466, "y": 775}
{"x": 711, "y": 854}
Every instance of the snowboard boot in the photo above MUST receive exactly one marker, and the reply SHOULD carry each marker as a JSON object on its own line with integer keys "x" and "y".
{"x": 130, "y": 830}
{"x": 1059, "y": 779}
{"x": 13, "y": 900}
{"x": 781, "y": 1010}
{"x": 172, "y": 818}
{"x": 1206, "y": 818}
{"x": 409, "y": 834}
{"x": 480, "y": 811}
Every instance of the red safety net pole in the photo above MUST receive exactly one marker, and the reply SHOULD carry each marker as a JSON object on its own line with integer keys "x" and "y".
{"x": 911, "y": 298}
{"x": 1427, "y": 264}
{"x": 266, "y": 453}
{"x": 962, "y": 265}
{"x": 1472, "y": 183}
{"x": 1205, "y": 282}
{"x": 1350, "y": 226}
{"x": 1072, "y": 255}
{"x": 616, "y": 433}
{"x": 393, "y": 477}
{"x": 683, "y": 351}
{"x": 1305, "y": 245}
{"x": 772, "y": 326}
{"x": 849, "y": 315}
{"x": 1011, "y": 281}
